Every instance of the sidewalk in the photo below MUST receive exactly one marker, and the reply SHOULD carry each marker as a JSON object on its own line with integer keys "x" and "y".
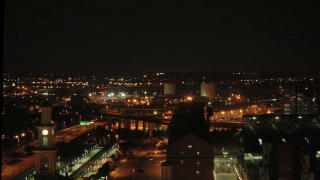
{"x": 81, "y": 161}
{"x": 100, "y": 163}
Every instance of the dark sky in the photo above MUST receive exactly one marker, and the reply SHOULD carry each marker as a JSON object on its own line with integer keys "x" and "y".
{"x": 179, "y": 36}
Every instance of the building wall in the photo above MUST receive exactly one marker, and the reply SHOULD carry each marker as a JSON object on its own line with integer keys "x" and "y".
{"x": 184, "y": 165}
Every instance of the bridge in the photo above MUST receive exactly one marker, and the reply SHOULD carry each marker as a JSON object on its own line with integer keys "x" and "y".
{"x": 142, "y": 119}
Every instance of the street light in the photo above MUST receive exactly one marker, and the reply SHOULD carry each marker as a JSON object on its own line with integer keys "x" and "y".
{"x": 117, "y": 137}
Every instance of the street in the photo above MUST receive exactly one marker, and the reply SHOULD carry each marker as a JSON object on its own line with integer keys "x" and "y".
{"x": 125, "y": 171}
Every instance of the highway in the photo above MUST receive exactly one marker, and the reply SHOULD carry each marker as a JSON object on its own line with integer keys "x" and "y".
{"x": 149, "y": 118}
{"x": 164, "y": 121}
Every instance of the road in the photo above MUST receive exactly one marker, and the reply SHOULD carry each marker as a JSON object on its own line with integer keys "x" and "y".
{"x": 226, "y": 176}
{"x": 222, "y": 164}
{"x": 10, "y": 170}
{"x": 225, "y": 168}
{"x": 152, "y": 169}
{"x": 125, "y": 171}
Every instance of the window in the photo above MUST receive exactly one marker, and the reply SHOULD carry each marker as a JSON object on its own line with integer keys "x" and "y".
{"x": 45, "y": 163}
{"x": 181, "y": 162}
{"x": 45, "y": 141}
{"x": 197, "y": 172}
{"x": 198, "y": 163}
{"x": 190, "y": 146}
{"x": 181, "y": 152}
{"x": 198, "y": 152}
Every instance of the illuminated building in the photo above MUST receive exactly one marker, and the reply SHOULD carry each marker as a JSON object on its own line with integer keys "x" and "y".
{"x": 300, "y": 102}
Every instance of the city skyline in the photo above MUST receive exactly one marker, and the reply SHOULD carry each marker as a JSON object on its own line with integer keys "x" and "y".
{"x": 109, "y": 89}
{"x": 165, "y": 37}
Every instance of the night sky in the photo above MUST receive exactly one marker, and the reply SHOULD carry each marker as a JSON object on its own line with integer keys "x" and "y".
{"x": 172, "y": 36}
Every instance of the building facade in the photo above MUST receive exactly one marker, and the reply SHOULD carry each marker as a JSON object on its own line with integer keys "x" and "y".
{"x": 189, "y": 158}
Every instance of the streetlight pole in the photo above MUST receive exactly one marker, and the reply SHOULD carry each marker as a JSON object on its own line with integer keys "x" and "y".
{"x": 132, "y": 172}
{"x": 18, "y": 145}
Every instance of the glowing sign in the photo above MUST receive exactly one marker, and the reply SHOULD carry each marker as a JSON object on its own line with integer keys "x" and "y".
{"x": 84, "y": 123}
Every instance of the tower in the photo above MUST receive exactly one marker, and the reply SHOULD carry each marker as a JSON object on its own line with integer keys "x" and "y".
{"x": 46, "y": 153}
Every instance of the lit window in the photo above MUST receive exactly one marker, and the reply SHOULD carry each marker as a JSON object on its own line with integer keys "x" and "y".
{"x": 197, "y": 172}
{"x": 198, "y": 163}
{"x": 181, "y": 161}
{"x": 181, "y": 152}
{"x": 198, "y": 152}
{"x": 190, "y": 146}
{"x": 45, "y": 163}
{"x": 45, "y": 141}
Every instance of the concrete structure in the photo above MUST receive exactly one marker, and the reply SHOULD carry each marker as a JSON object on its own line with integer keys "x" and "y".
{"x": 169, "y": 88}
{"x": 208, "y": 90}
{"x": 46, "y": 153}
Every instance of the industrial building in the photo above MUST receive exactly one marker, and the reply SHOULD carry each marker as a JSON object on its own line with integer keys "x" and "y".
{"x": 208, "y": 90}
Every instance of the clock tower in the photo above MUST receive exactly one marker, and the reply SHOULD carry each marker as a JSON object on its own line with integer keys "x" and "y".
{"x": 46, "y": 153}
